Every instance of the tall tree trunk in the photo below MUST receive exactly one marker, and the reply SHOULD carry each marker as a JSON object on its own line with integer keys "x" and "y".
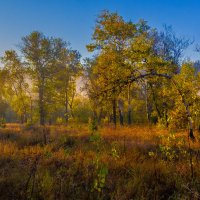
{"x": 189, "y": 116}
{"x": 120, "y": 109}
{"x": 114, "y": 105}
{"x": 42, "y": 110}
{"x": 129, "y": 106}
{"x": 66, "y": 107}
{"x": 149, "y": 109}
{"x": 100, "y": 116}
{"x": 155, "y": 102}
{"x": 31, "y": 109}
{"x": 41, "y": 104}
{"x": 66, "y": 100}
{"x": 121, "y": 117}
{"x": 166, "y": 114}
{"x": 148, "y": 105}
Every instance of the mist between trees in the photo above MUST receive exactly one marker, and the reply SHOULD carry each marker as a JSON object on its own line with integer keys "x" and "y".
{"x": 135, "y": 75}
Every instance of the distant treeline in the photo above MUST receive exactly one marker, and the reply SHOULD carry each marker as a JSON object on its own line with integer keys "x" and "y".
{"x": 136, "y": 75}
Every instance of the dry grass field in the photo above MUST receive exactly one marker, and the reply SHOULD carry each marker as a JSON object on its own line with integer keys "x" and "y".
{"x": 71, "y": 162}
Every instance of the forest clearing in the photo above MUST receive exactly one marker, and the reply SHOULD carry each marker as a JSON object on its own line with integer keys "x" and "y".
{"x": 114, "y": 115}
{"x": 125, "y": 163}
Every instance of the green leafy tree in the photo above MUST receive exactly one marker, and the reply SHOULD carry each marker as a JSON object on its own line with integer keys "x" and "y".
{"x": 110, "y": 39}
{"x": 16, "y": 85}
{"x": 42, "y": 55}
{"x": 65, "y": 80}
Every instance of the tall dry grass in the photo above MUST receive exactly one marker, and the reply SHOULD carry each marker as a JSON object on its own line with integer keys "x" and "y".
{"x": 125, "y": 163}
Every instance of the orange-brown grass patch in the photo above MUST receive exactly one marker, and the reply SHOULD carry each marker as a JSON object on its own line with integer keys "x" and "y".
{"x": 124, "y": 163}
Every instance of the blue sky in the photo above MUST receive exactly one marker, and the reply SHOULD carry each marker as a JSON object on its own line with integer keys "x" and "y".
{"x": 74, "y": 20}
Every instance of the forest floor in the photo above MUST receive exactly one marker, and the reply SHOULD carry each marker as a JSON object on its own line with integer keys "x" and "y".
{"x": 70, "y": 162}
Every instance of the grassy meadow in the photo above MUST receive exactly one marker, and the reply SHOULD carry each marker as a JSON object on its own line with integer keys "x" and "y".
{"x": 99, "y": 103}
{"x": 74, "y": 162}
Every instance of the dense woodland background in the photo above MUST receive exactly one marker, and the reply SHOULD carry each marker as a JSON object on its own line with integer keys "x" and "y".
{"x": 136, "y": 75}
{"x": 122, "y": 124}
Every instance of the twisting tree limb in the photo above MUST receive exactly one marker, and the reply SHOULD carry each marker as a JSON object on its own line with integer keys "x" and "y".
{"x": 130, "y": 79}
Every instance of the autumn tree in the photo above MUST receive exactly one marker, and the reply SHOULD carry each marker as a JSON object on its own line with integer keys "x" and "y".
{"x": 42, "y": 55}
{"x": 110, "y": 39}
{"x": 99, "y": 104}
{"x": 128, "y": 53}
{"x": 3, "y": 104}
{"x": 65, "y": 79}
{"x": 170, "y": 48}
{"x": 124, "y": 51}
{"x": 16, "y": 86}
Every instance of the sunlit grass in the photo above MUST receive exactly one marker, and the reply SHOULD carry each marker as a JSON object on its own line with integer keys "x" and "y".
{"x": 128, "y": 162}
